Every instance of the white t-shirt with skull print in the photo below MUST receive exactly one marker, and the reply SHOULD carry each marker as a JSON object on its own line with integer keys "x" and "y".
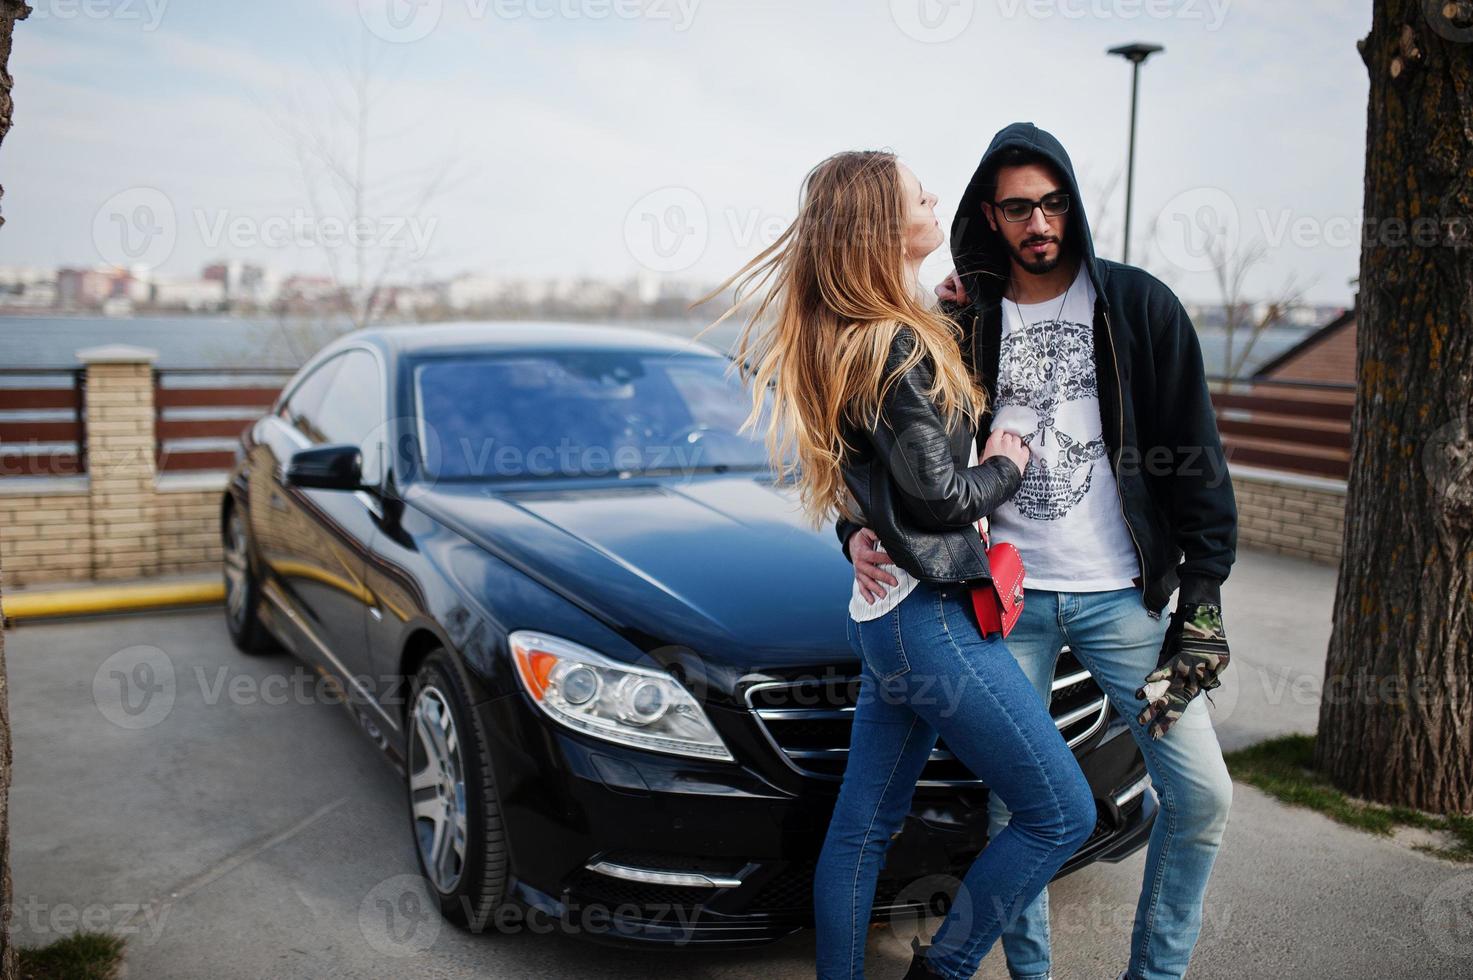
{"x": 1065, "y": 520}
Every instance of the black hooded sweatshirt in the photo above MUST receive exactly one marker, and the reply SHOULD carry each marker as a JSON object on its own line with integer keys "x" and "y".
{"x": 1159, "y": 426}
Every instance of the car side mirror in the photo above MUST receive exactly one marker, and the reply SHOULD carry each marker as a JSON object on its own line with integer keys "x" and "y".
{"x": 335, "y": 467}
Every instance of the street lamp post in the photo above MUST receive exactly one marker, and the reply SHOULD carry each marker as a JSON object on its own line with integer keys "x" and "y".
{"x": 1136, "y": 54}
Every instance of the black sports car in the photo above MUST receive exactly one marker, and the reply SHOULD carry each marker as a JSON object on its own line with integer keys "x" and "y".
{"x": 570, "y": 601}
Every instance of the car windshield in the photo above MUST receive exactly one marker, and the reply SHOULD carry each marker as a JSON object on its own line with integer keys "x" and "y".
{"x": 583, "y": 413}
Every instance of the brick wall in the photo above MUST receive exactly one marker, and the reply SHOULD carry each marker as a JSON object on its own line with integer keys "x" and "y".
{"x": 122, "y": 520}
{"x": 46, "y": 534}
{"x": 1289, "y": 514}
{"x": 189, "y": 524}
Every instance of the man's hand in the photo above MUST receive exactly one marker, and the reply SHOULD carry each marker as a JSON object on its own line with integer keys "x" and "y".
{"x": 1192, "y": 658}
{"x": 868, "y": 553}
{"x": 951, "y": 290}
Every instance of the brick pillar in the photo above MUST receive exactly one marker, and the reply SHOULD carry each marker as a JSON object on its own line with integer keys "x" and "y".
{"x": 120, "y": 460}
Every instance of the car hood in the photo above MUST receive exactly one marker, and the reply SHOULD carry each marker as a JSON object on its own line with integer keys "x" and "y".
{"x": 723, "y": 563}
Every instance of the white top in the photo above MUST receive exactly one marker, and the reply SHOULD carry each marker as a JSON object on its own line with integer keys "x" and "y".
{"x": 860, "y": 609}
{"x": 1065, "y": 520}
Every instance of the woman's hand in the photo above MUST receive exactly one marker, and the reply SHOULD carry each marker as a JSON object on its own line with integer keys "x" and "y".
{"x": 1004, "y": 443}
{"x": 951, "y": 290}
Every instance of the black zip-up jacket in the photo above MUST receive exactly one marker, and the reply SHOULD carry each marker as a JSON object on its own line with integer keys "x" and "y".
{"x": 1156, "y": 412}
{"x": 908, "y": 474}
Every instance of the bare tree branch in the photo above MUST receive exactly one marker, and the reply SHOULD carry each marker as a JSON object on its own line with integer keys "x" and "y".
{"x": 334, "y": 142}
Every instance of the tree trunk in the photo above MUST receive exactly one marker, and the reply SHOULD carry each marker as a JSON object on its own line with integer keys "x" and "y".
{"x": 1396, "y": 721}
{"x": 10, "y": 12}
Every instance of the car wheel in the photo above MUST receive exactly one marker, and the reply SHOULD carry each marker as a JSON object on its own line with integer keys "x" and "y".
{"x": 454, "y": 810}
{"x": 242, "y": 591}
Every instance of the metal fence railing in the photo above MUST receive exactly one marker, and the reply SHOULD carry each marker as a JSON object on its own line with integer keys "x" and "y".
{"x": 1293, "y": 426}
{"x": 1296, "y": 427}
{"x": 201, "y": 412}
{"x": 41, "y": 422}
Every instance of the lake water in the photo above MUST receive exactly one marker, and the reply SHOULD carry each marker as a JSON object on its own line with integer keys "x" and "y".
{"x": 264, "y": 342}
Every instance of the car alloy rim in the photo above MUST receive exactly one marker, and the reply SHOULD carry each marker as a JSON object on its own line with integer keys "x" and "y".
{"x": 437, "y": 790}
{"x": 235, "y": 571}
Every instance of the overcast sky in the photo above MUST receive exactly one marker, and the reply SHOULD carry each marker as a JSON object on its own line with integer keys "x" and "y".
{"x": 602, "y": 137}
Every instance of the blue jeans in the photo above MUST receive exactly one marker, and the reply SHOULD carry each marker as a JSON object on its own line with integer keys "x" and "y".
{"x": 927, "y": 670}
{"x": 1118, "y": 641}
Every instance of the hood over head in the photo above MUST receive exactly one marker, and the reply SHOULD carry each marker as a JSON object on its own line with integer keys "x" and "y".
{"x": 980, "y": 254}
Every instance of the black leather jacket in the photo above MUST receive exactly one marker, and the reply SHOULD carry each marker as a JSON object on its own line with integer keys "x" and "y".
{"x": 910, "y": 479}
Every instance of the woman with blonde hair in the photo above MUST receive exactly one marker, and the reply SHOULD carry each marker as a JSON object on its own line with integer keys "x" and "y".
{"x": 857, "y": 372}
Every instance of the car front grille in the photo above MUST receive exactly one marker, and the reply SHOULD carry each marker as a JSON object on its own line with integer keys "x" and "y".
{"x": 807, "y": 720}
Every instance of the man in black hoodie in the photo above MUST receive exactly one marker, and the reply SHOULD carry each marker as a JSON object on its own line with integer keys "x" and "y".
{"x": 1126, "y": 499}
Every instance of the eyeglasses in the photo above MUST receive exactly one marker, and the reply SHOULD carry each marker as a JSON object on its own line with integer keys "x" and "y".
{"x": 1021, "y": 209}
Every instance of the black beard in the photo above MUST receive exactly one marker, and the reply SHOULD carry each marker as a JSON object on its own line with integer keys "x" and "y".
{"x": 1039, "y": 267}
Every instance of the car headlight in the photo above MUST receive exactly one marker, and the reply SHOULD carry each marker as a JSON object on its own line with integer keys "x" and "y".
{"x": 619, "y": 702}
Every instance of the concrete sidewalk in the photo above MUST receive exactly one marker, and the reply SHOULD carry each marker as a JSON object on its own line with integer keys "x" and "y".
{"x": 1277, "y": 611}
{"x": 232, "y": 823}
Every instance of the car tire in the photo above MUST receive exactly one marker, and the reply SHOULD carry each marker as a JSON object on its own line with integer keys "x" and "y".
{"x": 242, "y": 590}
{"x": 451, "y": 792}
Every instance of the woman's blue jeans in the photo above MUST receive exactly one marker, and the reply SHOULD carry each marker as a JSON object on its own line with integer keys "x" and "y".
{"x": 928, "y": 671}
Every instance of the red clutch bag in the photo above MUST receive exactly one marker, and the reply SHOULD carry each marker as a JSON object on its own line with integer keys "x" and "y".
{"x": 999, "y": 603}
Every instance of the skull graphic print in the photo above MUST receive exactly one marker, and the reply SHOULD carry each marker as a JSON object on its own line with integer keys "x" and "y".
{"x": 1065, "y": 519}
{"x": 1045, "y": 369}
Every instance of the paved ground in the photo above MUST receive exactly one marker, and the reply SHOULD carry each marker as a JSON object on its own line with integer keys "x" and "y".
{"x": 239, "y": 827}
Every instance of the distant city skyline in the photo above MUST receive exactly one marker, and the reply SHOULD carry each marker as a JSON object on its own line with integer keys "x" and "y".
{"x": 659, "y": 138}
{"x": 237, "y": 287}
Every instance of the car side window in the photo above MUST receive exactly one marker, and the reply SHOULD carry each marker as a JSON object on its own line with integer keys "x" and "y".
{"x": 301, "y": 408}
{"x": 353, "y": 409}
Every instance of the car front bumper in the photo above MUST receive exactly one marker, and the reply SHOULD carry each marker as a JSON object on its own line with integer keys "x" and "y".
{"x": 631, "y": 847}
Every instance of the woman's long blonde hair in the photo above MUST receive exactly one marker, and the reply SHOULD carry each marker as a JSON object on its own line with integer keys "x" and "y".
{"x": 836, "y": 285}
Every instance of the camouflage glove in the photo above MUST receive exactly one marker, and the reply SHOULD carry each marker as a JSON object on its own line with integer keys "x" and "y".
{"x": 1194, "y": 654}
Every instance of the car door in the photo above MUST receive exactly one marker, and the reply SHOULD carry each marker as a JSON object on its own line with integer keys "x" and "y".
{"x": 278, "y": 525}
{"x": 319, "y": 544}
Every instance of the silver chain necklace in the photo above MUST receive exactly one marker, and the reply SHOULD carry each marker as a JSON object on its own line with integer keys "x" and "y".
{"x": 1053, "y": 375}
